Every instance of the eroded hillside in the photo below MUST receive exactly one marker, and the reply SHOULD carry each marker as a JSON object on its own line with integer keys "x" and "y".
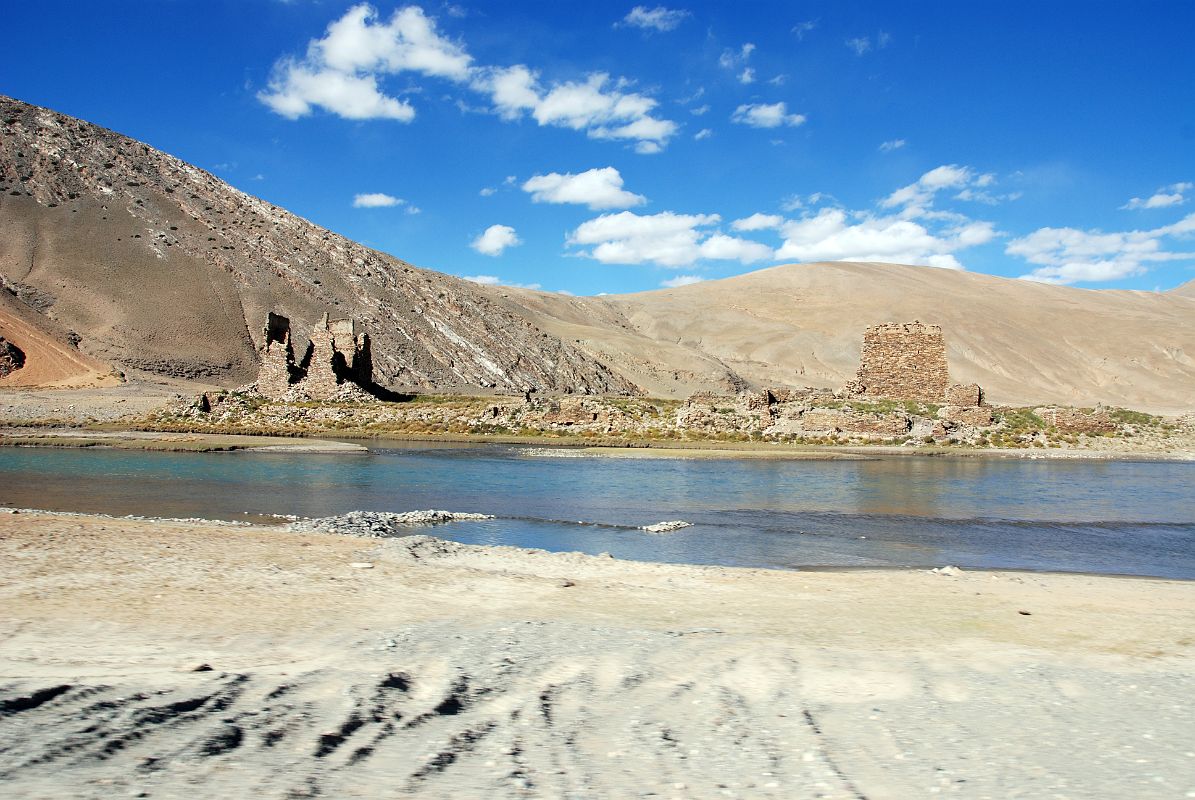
{"x": 159, "y": 266}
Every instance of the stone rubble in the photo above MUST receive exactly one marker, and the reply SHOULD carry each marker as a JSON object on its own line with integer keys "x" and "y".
{"x": 379, "y": 524}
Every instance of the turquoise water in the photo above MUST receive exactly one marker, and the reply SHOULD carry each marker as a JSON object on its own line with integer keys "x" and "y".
{"x": 1086, "y": 516}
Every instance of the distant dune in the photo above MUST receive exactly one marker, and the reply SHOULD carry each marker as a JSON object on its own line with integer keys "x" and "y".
{"x": 1186, "y": 290}
{"x": 802, "y": 325}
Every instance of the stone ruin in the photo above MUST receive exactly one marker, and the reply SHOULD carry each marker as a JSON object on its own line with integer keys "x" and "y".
{"x": 335, "y": 356}
{"x": 907, "y": 361}
{"x": 902, "y": 361}
{"x": 11, "y": 357}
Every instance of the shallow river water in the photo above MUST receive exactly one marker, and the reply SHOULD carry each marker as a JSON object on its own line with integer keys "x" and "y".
{"x": 1084, "y": 516}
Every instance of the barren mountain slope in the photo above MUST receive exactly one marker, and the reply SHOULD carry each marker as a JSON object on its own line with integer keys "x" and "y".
{"x": 1186, "y": 290}
{"x": 162, "y": 267}
{"x": 803, "y": 324}
{"x": 51, "y": 359}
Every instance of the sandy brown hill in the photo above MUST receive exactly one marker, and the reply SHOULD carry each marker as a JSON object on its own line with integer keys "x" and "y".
{"x": 159, "y": 266}
{"x": 802, "y": 325}
{"x": 1186, "y": 290}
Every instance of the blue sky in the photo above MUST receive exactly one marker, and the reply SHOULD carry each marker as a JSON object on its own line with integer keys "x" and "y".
{"x": 612, "y": 147}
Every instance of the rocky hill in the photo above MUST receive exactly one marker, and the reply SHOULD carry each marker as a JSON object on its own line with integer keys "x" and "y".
{"x": 155, "y": 265}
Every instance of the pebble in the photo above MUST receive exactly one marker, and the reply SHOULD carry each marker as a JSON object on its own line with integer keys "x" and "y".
{"x": 361, "y": 565}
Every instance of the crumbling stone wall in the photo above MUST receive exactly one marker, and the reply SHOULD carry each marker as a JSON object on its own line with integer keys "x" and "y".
{"x": 335, "y": 355}
{"x": 964, "y": 395}
{"x": 905, "y": 361}
{"x": 1076, "y": 420}
{"x": 833, "y": 421}
{"x": 277, "y": 357}
{"x": 11, "y": 357}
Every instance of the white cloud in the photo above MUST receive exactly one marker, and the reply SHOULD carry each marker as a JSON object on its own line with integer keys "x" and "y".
{"x": 667, "y": 239}
{"x": 801, "y": 28}
{"x": 341, "y": 74}
{"x": 721, "y": 247}
{"x": 1166, "y": 196}
{"x": 704, "y": 133}
{"x": 1069, "y": 255}
{"x": 860, "y": 45}
{"x": 494, "y": 280}
{"x": 892, "y": 144}
{"x": 731, "y": 59}
{"x": 340, "y": 71}
{"x": 681, "y": 280}
{"x": 487, "y": 191}
{"x": 917, "y": 197}
{"x": 596, "y": 188}
{"x": 376, "y": 200}
{"x": 658, "y": 18}
{"x": 495, "y": 240}
{"x": 759, "y": 115}
{"x": 907, "y": 229}
{"x": 758, "y": 222}
{"x": 747, "y": 75}
{"x": 594, "y": 106}
{"x": 295, "y": 89}
{"x": 697, "y": 112}
{"x": 833, "y": 235}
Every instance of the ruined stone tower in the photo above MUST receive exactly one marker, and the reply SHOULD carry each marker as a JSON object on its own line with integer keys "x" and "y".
{"x": 277, "y": 357}
{"x": 903, "y": 360}
{"x": 336, "y": 354}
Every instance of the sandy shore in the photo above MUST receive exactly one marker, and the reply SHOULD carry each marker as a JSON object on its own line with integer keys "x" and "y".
{"x": 175, "y": 442}
{"x": 182, "y": 659}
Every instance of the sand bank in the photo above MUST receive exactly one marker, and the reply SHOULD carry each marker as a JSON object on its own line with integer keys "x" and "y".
{"x": 174, "y": 442}
{"x": 204, "y": 660}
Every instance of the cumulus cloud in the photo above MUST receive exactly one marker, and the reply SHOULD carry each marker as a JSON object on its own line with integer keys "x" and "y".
{"x": 1166, "y": 196}
{"x": 833, "y": 235}
{"x": 758, "y": 222}
{"x": 903, "y": 228}
{"x": 495, "y": 240}
{"x": 1069, "y": 255}
{"x": 760, "y": 115}
{"x": 658, "y": 18}
{"x": 596, "y": 188}
{"x": 704, "y": 133}
{"x": 681, "y": 280}
{"x": 376, "y": 200}
{"x": 341, "y": 73}
{"x": 892, "y": 144}
{"x": 666, "y": 239}
{"x": 595, "y": 105}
